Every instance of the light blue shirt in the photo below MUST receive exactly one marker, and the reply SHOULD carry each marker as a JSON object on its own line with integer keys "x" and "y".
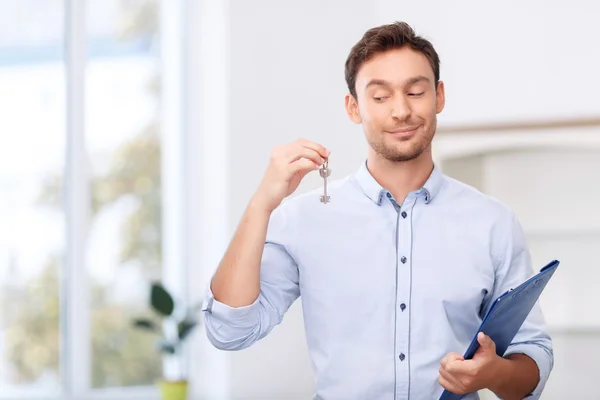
{"x": 388, "y": 288}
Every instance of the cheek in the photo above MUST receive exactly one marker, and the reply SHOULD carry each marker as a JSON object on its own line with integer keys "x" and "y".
{"x": 374, "y": 114}
{"x": 426, "y": 110}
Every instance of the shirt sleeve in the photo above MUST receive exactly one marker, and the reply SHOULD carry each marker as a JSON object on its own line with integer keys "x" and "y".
{"x": 513, "y": 269}
{"x": 236, "y": 328}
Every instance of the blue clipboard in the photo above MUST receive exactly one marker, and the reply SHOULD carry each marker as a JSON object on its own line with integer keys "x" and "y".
{"x": 506, "y": 315}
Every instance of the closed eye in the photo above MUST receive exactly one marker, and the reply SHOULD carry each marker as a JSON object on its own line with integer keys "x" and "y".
{"x": 416, "y": 94}
{"x": 380, "y": 98}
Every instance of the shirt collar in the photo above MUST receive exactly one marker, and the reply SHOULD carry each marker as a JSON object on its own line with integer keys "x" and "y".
{"x": 373, "y": 190}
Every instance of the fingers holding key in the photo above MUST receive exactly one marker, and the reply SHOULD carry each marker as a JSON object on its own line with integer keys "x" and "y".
{"x": 301, "y": 152}
{"x": 288, "y": 165}
{"x": 320, "y": 149}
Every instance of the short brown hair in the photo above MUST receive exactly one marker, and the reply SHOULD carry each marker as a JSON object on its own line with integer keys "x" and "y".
{"x": 383, "y": 38}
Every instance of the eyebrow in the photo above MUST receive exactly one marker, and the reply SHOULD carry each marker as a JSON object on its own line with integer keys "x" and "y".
{"x": 378, "y": 82}
{"x": 410, "y": 81}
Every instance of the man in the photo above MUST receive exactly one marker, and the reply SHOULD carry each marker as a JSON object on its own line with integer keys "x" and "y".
{"x": 398, "y": 269}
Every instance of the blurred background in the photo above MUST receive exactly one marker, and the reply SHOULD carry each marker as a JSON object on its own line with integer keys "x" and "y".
{"x": 133, "y": 133}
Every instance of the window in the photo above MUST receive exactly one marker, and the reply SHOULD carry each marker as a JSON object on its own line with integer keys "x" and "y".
{"x": 32, "y": 216}
{"x": 122, "y": 140}
{"x": 82, "y": 196}
{"x": 102, "y": 174}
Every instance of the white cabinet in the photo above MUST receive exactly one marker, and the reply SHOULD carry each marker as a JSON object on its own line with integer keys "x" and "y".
{"x": 550, "y": 177}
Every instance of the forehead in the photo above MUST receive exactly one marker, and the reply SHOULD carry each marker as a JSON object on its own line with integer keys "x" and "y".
{"x": 396, "y": 66}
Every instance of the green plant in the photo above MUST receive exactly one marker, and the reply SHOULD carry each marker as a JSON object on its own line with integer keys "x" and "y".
{"x": 175, "y": 323}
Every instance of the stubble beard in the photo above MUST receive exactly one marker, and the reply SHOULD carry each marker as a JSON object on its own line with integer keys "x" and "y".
{"x": 403, "y": 151}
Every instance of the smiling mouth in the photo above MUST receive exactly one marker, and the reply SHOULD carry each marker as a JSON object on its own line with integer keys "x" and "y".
{"x": 404, "y": 132}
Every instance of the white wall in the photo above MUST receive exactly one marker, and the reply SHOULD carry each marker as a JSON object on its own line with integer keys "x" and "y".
{"x": 501, "y": 63}
{"x": 510, "y": 60}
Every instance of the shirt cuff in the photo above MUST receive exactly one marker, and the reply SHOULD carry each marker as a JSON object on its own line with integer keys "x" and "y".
{"x": 235, "y": 317}
{"x": 542, "y": 359}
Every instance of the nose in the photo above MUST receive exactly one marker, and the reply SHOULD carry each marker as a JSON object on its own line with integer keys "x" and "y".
{"x": 401, "y": 108}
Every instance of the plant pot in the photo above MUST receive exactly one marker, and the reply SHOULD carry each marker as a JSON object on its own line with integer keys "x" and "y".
{"x": 173, "y": 390}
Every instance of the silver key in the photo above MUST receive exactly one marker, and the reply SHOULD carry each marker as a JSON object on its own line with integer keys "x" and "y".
{"x": 324, "y": 171}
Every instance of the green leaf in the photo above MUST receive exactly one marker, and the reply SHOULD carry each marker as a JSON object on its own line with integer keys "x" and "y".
{"x": 185, "y": 327}
{"x": 145, "y": 324}
{"x": 161, "y": 300}
{"x": 166, "y": 347}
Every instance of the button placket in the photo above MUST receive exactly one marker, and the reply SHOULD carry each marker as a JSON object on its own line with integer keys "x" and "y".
{"x": 404, "y": 245}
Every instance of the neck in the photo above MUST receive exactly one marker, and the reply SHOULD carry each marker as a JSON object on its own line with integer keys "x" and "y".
{"x": 400, "y": 178}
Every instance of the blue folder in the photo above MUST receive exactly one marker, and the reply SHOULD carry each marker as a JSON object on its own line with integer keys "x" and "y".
{"x": 506, "y": 315}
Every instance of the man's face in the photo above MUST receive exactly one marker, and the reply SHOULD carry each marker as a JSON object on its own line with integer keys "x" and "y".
{"x": 397, "y": 103}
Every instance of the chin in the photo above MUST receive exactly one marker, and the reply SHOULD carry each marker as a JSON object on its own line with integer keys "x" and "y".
{"x": 402, "y": 157}
{"x": 403, "y": 151}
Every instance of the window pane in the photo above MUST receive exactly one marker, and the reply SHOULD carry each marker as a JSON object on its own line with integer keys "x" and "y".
{"x": 32, "y": 219}
{"x": 122, "y": 139}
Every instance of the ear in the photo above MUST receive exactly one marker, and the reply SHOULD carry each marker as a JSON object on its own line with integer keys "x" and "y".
{"x": 352, "y": 109}
{"x": 440, "y": 97}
